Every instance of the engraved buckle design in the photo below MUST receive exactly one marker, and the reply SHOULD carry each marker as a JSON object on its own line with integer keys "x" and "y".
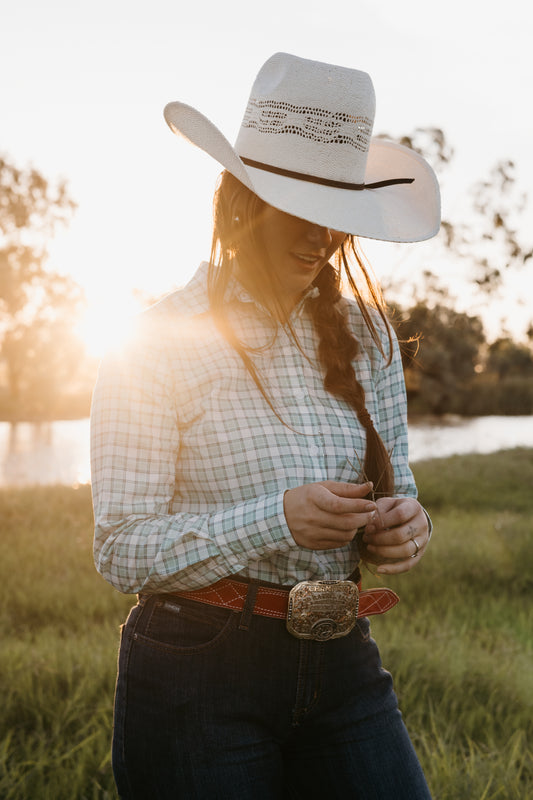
{"x": 322, "y": 610}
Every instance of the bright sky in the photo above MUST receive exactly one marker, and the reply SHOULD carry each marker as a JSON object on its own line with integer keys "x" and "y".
{"x": 83, "y": 85}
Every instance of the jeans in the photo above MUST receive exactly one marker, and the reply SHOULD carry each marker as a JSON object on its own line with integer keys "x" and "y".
{"x": 213, "y": 704}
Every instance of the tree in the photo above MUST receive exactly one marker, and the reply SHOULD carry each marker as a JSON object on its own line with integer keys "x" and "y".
{"x": 440, "y": 351}
{"x": 38, "y": 307}
{"x": 505, "y": 357}
{"x": 450, "y": 372}
{"x": 489, "y": 240}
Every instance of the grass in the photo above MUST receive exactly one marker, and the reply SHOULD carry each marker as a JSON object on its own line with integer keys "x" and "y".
{"x": 459, "y": 645}
{"x": 59, "y": 623}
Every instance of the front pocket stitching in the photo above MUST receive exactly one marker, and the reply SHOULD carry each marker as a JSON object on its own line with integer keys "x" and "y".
{"x": 228, "y": 627}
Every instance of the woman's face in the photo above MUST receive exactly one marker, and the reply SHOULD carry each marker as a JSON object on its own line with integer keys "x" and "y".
{"x": 296, "y": 250}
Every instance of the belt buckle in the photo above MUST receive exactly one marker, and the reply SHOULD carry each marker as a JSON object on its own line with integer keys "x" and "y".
{"x": 322, "y": 610}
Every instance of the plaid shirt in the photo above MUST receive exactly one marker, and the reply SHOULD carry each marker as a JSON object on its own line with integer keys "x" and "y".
{"x": 190, "y": 464}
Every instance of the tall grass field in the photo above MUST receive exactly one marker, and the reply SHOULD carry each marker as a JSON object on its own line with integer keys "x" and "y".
{"x": 460, "y": 644}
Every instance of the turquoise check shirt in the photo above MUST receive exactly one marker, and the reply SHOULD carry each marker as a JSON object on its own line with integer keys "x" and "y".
{"x": 190, "y": 464}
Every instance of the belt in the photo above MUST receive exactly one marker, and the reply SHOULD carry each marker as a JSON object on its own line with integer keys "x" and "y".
{"x": 274, "y": 602}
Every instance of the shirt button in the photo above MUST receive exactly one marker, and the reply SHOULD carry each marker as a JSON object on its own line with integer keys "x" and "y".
{"x": 314, "y": 449}
{"x": 300, "y": 393}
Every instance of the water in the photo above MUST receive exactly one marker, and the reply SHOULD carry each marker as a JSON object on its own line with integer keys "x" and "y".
{"x": 58, "y": 452}
{"x": 460, "y": 435}
{"x": 44, "y": 453}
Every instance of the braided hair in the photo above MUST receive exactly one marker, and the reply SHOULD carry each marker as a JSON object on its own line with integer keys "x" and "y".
{"x": 337, "y": 350}
{"x": 235, "y": 210}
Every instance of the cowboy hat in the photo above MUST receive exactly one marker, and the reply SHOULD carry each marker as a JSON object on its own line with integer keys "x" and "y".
{"x": 305, "y": 146}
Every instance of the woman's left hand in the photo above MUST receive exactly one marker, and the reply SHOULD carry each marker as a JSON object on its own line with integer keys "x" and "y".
{"x": 399, "y": 536}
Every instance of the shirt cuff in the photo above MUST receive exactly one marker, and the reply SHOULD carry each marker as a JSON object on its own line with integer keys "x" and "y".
{"x": 251, "y": 531}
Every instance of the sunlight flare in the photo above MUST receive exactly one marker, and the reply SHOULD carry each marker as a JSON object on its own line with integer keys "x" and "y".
{"x": 106, "y": 324}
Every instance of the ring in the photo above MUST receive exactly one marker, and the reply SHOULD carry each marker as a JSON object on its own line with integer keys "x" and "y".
{"x": 417, "y": 548}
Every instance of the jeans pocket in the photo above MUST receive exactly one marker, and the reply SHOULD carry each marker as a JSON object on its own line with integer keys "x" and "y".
{"x": 185, "y": 626}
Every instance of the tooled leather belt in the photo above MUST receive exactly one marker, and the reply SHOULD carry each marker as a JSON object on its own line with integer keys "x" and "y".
{"x": 287, "y": 604}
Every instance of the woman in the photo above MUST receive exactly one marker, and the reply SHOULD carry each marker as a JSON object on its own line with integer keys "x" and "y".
{"x": 249, "y": 448}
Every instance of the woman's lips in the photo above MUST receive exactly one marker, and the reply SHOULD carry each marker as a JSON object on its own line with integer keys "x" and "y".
{"x": 310, "y": 259}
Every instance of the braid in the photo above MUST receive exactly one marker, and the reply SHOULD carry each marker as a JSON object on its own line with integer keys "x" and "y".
{"x": 336, "y": 350}
{"x": 337, "y": 346}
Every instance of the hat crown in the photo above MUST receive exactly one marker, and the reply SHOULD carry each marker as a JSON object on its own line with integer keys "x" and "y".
{"x": 305, "y": 148}
{"x": 309, "y": 117}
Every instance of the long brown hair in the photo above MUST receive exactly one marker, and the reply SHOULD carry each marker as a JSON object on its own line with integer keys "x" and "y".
{"x": 235, "y": 212}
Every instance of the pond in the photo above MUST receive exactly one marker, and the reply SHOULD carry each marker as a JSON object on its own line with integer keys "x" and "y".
{"x": 58, "y": 452}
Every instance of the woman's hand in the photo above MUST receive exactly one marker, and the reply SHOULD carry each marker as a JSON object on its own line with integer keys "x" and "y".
{"x": 322, "y": 516}
{"x": 398, "y": 535}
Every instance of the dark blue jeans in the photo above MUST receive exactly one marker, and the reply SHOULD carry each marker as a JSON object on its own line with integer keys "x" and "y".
{"x": 213, "y": 704}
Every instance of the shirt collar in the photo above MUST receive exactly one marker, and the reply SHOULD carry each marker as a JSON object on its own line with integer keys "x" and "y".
{"x": 236, "y": 293}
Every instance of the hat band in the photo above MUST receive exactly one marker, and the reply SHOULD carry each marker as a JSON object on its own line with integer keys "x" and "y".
{"x": 302, "y": 176}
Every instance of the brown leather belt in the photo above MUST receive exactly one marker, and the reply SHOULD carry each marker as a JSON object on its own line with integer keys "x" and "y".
{"x": 273, "y": 602}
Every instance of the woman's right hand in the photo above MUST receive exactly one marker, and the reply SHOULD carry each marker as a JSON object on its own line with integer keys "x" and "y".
{"x": 322, "y": 516}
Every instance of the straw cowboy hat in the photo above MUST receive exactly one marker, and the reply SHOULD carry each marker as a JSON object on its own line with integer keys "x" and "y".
{"x": 305, "y": 147}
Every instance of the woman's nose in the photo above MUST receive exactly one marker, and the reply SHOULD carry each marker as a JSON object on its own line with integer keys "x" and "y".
{"x": 318, "y": 235}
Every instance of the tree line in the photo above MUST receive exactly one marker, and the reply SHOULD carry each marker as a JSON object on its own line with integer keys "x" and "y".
{"x": 44, "y": 370}
{"x": 450, "y": 366}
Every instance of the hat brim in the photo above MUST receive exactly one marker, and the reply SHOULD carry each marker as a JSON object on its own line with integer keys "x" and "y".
{"x": 395, "y": 213}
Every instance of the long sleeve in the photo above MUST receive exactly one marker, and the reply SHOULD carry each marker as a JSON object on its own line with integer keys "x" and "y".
{"x": 135, "y": 441}
{"x": 190, "y": 464}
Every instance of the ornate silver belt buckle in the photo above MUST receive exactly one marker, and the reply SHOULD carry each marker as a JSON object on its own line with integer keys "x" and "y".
{"x": 322, "y": 610}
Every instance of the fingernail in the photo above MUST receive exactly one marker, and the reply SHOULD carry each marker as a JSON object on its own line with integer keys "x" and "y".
{"x": 371, "y": 507}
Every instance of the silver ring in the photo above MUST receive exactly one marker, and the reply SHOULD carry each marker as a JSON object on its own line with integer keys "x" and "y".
{"x": 417, "y": 548}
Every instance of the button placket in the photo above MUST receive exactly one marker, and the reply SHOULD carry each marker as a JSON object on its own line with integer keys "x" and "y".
{"x": 318, "y": 452}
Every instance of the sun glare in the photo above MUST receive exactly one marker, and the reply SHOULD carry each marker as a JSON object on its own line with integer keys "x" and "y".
{"x": 105, "y": 325}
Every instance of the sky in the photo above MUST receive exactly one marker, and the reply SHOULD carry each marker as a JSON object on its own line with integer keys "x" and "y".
{"x": 83, "y": 86}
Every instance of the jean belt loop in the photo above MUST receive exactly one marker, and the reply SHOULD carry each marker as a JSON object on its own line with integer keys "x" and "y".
{"x": 249, "y": 603}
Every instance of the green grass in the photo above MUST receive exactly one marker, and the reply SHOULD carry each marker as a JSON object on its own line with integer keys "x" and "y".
{"x": 459, "y": 645}
{"x": 59, "y": 632}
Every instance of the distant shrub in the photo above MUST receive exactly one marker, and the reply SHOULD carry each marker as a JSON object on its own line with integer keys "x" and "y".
{"x": 488, "y": 394}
